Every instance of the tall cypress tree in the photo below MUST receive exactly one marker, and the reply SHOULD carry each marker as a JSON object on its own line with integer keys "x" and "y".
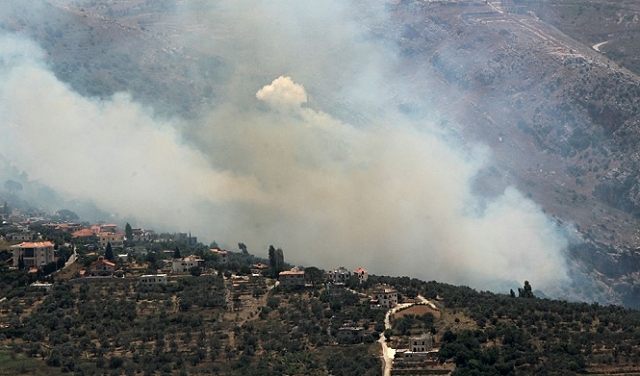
{"x": 108, "y": 253}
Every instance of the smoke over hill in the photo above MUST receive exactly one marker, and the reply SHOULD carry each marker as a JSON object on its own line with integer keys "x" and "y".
{"x": 359, "y": 183}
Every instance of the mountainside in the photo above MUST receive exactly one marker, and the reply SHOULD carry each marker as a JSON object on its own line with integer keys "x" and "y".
{"x": 561, "y": 118}
{"x": 521, "y": 77}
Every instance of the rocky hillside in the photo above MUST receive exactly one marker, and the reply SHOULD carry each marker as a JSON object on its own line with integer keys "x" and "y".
{"x": 560, "y": 116}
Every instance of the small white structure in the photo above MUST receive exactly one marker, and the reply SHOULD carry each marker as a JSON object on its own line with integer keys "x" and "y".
{"x": 153, "y": 279}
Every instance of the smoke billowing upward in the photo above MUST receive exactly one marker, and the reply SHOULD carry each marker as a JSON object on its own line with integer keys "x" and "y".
{"x": 269, "y": 165}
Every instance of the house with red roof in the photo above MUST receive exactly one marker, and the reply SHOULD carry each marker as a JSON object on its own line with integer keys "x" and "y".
{"x": 84, "y": 233}
{"x": 102, "y": 267}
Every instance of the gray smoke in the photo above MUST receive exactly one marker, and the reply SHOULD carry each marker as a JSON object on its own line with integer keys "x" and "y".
{"x": 354, "y": 184}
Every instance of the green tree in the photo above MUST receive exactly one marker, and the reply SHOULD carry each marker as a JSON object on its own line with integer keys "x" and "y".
{"x": 279, "y": 260}
{"x": 195, "y": 271}
{"x": 272, "y": 258}
{"x": 176, "y": 253}
{"x": 243, "y": 248}
{"x": 525, "y": 292}
{"x": 108, "y": 253}
{"x": 313, "y": 274}
{"x": 128, "y": 232}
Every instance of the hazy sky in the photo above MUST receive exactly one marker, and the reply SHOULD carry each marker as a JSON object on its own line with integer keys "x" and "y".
{"x": 269, "y": 165}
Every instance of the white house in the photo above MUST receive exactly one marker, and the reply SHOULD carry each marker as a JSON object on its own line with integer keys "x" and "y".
{"x": 153, "y": 279}
{"x": 184, "y": 264}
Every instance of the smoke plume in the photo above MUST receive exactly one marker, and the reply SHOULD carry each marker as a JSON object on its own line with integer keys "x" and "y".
{"x": 354, "y": 184}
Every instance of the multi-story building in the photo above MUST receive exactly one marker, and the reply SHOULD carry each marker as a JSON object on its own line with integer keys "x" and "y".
{"x": 385, "y": 298}
{"x": 184, "y": 264}
{"x": 116, "y": 239}
{"x": 23, "y": 236}
{"x": 291, "y": 278}
{"x": 34, "y": 254}
{"x": 422, "y": 343}
{"x": 362, "y": 274}
{"x": 340, "y": 275}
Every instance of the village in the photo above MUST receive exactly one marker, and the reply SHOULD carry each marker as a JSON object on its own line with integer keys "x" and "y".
{"x": 103, "y": 253}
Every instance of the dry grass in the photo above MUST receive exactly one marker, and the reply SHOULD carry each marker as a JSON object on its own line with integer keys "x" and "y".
{"x": 418, "y": 310}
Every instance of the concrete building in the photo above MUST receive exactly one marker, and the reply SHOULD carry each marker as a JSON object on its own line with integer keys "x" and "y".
{"x": 422, "y": 343}
{"x": 385, "y": 298}
{"x": 116, "y": 240}
{"x": 23, "y": 236}
{"x": 153, "y": 279}
{"x": 350, "y": 334}
{"x": 362, "y": 274}
{"x": 34, "y": 254}
{"x": 184, "y": 264}
{"x": 291, "y": 278}
{"x": 340, "y": 275}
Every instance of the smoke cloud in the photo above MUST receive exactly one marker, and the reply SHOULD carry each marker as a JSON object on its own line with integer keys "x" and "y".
{"x": 270, "y": 165}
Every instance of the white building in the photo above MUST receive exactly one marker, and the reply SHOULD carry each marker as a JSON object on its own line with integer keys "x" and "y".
{"x": 184, "y": 264}
{"x": 153, "y": 279}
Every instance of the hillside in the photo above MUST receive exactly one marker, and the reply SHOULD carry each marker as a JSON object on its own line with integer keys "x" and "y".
{"x": 522, "y": 77}
{"x": 191, "y": 326}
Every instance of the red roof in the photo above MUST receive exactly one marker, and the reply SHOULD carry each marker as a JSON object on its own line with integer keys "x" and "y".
{"x": 102, "y": 261}
{"x": 261, "y": 266}
{"x": 359, "y": 271}
{"x": 82, "y": 233}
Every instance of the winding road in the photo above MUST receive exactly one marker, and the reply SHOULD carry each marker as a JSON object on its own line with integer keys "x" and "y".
{"x": 388, "y": 353}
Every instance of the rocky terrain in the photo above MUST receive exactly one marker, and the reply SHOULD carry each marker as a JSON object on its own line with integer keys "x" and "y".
{"x": 523, "y": 77}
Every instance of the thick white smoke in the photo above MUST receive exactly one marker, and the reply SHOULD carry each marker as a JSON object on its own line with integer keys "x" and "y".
{"x": 385, "y": 194}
